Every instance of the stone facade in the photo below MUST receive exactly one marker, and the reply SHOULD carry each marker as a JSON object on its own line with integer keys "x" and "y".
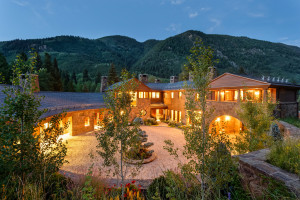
{"x": 254, "y": 168}
{"x": 288, "y": 109}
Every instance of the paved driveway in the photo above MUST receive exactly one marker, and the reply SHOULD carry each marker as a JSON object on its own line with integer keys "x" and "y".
{"x": 79, "y": 148}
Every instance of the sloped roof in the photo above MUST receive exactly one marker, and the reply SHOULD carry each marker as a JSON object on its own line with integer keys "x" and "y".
{"x": 167, "y": 86}
{"x": 57, "y": 102}
{"x": 141, "y": 86}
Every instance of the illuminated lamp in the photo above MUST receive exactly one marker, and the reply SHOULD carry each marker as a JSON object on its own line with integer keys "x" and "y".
{"x": 227, "y": 118}
{"x": 218, "y": 119}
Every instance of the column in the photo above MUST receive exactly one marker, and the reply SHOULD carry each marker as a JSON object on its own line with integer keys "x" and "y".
{"x": 239, "y": 95}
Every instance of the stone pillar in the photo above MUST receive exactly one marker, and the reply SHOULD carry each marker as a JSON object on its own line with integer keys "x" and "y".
{"x": 265, "y": 95}
{"x": 103, "y": 83}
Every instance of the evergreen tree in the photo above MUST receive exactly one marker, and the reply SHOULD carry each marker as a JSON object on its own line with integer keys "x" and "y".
{"x": 4, "y": 70}
{"x": 112, "y": 75}
{"x": 23, "y": 56}
{"x": 39, "y": 62}
{"x": 66, "y": 80}
{"x": 98, "y": 78}
{"x": 57, "y": 84}
{"x": 47, "y": 62}
{"x": 74, "y": 78}
{"x": 85, "y": 75}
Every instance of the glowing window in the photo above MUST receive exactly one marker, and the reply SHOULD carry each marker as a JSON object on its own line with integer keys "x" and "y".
{"x": 228, "y": 95}
{"x": 87, "y": 121}
{"x": 141, "y": 95}
{"x": 179, "y": 116}
{"x": 212, "y": 96}
{"x": 133, "y": 98}
{"x": 172, "y": 95}
{"x": 46, "y": 125}
{"x": 157, "y": 95}
{"x": 180, "y": 95}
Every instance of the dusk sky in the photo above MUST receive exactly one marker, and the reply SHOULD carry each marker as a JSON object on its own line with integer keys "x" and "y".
{"x": 271, "y": 20}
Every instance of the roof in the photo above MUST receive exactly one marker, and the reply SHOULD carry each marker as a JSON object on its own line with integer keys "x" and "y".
{"x": 141, "y": 85}
{"x": 57, "y": 102}
{"x": 168, "y": 86}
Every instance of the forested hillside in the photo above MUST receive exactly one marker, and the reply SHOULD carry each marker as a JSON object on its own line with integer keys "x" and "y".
{"x": 162, "y": 58}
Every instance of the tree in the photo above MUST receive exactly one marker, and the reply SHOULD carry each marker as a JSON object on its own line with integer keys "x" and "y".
{"x": 112, "y": 75}
{"x": 5, "y": 71}
{"x": 117, "y": 136}
{"x": 50, "y": 71}
{"x": 74, "y": 78}
{"x": 38, "y": 63}
{"x": 25, "y": 153}
{"x": 98, "y": 78}
{"x": 85, "y": 75}
{"x": 208, "y": 151}
{"x": 257, "y": 117}
{"x": 57, "y": 84}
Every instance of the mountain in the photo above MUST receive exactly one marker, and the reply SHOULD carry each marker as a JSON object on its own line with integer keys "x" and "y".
{"x": 165, "y": 57}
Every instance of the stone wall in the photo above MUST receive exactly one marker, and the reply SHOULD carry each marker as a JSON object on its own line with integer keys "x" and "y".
{"x": 253, "y": 168}
{"x": 289, "y": 130}
{"x": 288, "y": 110}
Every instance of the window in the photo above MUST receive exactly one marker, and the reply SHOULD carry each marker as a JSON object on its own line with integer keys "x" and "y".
{"x": 212, "y": 96}
{"x": 172, "y": 95}
{"x": 176, "y": 114}
{"x": 180, "y": 95}
{"x": 179, "y": 116}
{"x": 155, "y": 95}
{"x": 143, "y": 95}
{"x": 251, "y": 95}
{"x": 133, "y": 98}
{"x": 228, "y": 95}
{"x": 87, "y": 121}
{"x": 172, "y": 115}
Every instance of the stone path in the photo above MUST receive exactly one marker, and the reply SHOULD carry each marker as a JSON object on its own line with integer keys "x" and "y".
{"x": 289, "y": 129}
{"x": 79, "y": 148}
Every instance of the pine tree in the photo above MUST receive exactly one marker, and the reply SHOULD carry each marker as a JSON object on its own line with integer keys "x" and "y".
{"x": 112, "y": 75}
{"x": 47, "y": 62}
{"x": 5, "y": 71}
{"x": 57, "y": 84}
{"x": 85, "y": 75}
{"x": 66, "y": 80}
{"x": 74, "y": 78}
{"x": 39, "y": 62}
{"x": 98, "y": 78}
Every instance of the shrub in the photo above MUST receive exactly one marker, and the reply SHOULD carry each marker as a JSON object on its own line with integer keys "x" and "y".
{"x": 172, "y": 123}
{"x": 150, "y": 121}
{"x": 286, "y": 155}
{"x": 293, "y": 121}
{"x": 158, "y": 188}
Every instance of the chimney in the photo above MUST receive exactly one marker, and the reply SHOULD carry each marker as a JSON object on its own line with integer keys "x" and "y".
{"x": 103, "y": 83}
{"x": 157, "y": 80}
{"x": 191, "y": 77}
{"x": 143, "y": 78}
{"x": 173, "y": 79}
{"x": 33, "y": 78}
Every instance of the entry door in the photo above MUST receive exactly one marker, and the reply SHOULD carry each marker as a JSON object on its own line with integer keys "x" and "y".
{"x": 157, "y": 114}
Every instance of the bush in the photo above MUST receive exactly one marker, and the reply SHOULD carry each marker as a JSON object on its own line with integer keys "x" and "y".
{"x": 150, "y": 121}
{"x": 172, "y": 123}
{"x": 158, "y": 187}
{"x": 286, "y": 155}
{"x": 293, "y": 121}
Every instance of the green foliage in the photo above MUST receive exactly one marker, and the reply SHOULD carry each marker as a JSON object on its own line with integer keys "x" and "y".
{"x": 257, "y": 118}
{"x": 293, "y": 121}
{"x": 112, "y": 75}
{"x": 88, "y": 192}
{"x": 150, "y": 121}
{"x": 286, "y": 155}
{"x": 165, "y": 57}
{"x": 158, "y": 189}
{"x": 117, "y": 136}
{"x": 4, "y": 70}
{"x": 24, "y": 152}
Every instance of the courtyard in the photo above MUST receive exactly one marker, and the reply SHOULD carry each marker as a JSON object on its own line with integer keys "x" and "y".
{"x": 82, "y": 146}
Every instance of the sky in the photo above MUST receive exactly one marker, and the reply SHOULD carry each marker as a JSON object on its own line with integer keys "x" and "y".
{"x": 270, "y": 20}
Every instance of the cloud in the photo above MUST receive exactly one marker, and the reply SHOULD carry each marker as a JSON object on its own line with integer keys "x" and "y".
{"x": 48, "y": 7}
{"x": 256, "y": 15}
{"x": 20, "y": 3}
{"x": 174, "y": 28}
{"x": 176, "y": 2}
{"x": 216, "y": 22}
{"x": 193, "y": 14}
{"x": 205, "y": 9}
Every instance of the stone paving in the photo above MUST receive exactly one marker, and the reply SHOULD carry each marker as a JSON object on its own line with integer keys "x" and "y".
{"x": 79, "y": 148}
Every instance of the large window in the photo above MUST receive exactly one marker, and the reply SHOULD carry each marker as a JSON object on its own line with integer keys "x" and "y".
{"x": 155, "y": 95}
{"x": 180, "y": 95}
{"x": 172, "y": 95}
{"x": 229, "y": 95}
{"x": 251, "y": 95}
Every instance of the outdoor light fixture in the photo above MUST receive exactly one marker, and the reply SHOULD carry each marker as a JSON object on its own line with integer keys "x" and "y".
{"x": 218, "y": 119}
{"x": 227, "y": 118}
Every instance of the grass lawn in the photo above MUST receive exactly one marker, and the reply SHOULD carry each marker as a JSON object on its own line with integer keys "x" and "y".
{"x": 293, "y": 121}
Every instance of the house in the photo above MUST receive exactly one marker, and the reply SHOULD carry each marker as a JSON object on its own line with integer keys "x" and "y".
{"x": 167, "y": 101}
